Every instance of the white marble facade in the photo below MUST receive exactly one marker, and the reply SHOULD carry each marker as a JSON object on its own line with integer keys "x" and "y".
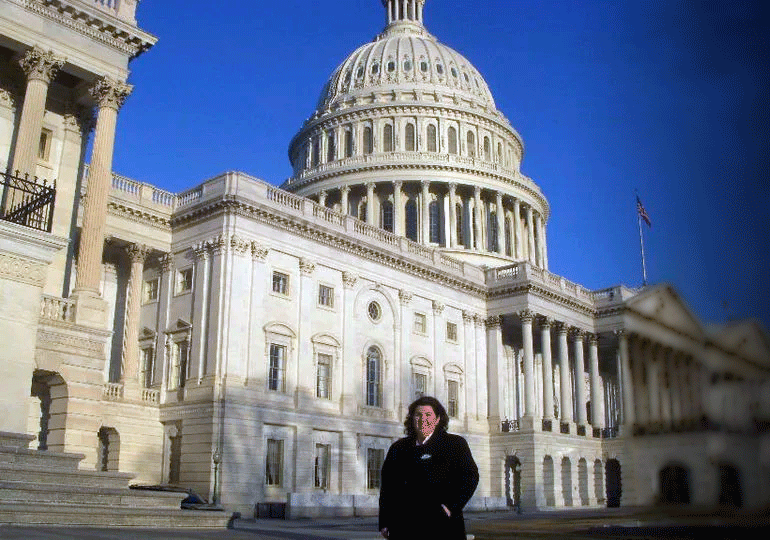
{"x": 261, "y": 345}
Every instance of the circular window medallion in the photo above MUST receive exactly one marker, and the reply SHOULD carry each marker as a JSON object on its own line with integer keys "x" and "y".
{"x": 374, "y": 310}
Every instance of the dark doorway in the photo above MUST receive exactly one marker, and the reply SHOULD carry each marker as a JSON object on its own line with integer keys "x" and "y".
{"x": 614, "y": 488}
{"x": 729, "y": 486}
{"x": 674, "y": 485}
{"x": 513, "y": 482}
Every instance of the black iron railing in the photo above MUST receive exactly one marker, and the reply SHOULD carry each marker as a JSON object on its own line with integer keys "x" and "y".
{"x": 27, "y": 201}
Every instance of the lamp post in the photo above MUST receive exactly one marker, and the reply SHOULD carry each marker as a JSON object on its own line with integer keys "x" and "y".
{"x": 217, "y": 459}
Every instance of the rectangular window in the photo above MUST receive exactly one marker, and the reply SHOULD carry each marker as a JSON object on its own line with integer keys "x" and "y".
{"x": 420, "y": 323}
{"x": 451, "y": 331}
{"x": 274, "y": 462}
{"x": 275, "y": 376}
{"x": 280, "y": 283}
{"x": 452, "y": 401}
{"x": 148, "y": 366}
{"x": 324, "y": 376}
{"x": 151, "y": 287}
{"x": 420, "y": 384}
{"x": 325, "y": 296}
{"x": 183, "y": 364}
{"x": 374, "y": 459}
{"x": 44, "y": 148}
{"x": 322, "y": 465}
{"x": 184, "y": 280}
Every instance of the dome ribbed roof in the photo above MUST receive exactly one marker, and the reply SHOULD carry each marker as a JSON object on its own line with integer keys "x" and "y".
{"x": 405, "y": 56}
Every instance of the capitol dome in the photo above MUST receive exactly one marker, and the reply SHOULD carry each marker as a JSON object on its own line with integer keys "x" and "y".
{"x": 406, "y": 137}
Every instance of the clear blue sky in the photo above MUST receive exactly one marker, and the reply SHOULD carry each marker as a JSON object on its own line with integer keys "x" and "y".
{"x": 667, "y": 97}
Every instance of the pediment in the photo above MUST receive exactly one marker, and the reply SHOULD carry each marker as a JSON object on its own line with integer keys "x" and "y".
{"x": 663, "y": 305}
{"x": 745, "y": 338}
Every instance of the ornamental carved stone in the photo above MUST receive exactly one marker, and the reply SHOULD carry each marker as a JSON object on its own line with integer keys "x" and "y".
{"x": 259, "y": 252}
{"x": 495, "y": 321}
{"x": 546, "y": 323}
{"x": 167, "y": 262}
{"x": 526, "y": 316}
{"x": 467, "y": 317}
{"x": 577, "y": 334}
{"x": 200, "y": 251}
{"x": 110, "y": 93}
{"x": 405, "y": 297}
{"x": 40, "y": 65}
{"x": 438, "y": 307}
{"x": 349, "y": 279}
{"x": 306, "y": 268}
{"x": 238, "y": 245}
{"x": 137, "y": 253}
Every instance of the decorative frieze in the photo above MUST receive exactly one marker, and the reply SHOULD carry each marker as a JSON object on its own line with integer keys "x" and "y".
{"x": 22, "y": 270}
{"x": 495, "y": 321}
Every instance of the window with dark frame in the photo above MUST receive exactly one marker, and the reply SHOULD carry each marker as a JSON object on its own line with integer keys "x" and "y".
{"x": 274, "y": 462}
{"x": 374, "y": 460}
{"x": 324, "y": 376}
{"x": 280, "y": 283}
{"x": 277, "y": 361}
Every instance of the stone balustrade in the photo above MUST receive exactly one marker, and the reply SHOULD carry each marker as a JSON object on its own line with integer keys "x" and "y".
{"x": 112, "y": 391}
{"x": 57, "y": 309}
{"x": 125, "y": 10}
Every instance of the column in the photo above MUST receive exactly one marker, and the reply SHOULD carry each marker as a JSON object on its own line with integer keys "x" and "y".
{"x": 398, "y": 209}
{"x": 305, "y": 376}
{"x": 597, "y": 393}
{"x": 677, "y": 388}
{"x": 580, "y": 385}
{"x": 137, "y": 254}
{"x": 529, "y": 363}
{"x": 344, "y": 192}
{"x": 642, "y": 392}
{"x": 322, "y": 198}
{"x": 452, "y": 215}
{"x": 500, "y": 214}
{"x": 530, "y": 236}
{"x": 110, "y": 96}
{"x": 40, "y": 67}
{"x": 478, "y": 244}
{"x": 565, "y": 384}
{"x": 544, "y": 246}
{"x": 545, "y": 339}
{"x": 516, "y": 228}
{"x": 665, "y": 387}
{"x": 495, "y": 371}
{"x": 370, "y": 204}
{"x": 425, "y": 221}
{"x": 539, "y": 240}
{"x": 653, "y": 383}
{"x": 626, "y": 381}
{"x": 351, "y": 387}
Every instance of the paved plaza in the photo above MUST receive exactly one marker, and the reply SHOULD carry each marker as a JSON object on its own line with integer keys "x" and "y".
{"x": 605, "y": 524}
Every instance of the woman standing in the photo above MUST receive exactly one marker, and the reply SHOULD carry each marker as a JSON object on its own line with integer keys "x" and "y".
{"x": 427, "y": 478}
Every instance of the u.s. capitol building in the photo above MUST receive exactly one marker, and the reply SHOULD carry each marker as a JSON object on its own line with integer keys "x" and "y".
{"x": 261, "y": 344}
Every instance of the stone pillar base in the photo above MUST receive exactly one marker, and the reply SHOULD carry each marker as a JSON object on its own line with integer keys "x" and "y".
{"x": 90, "y": 309}
{"x": 527, "y": 423}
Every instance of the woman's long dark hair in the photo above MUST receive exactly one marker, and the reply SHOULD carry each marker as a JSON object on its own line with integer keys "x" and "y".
{"x": 438, "y": 409}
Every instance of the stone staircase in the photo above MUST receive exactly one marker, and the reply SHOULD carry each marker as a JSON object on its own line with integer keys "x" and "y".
{"x": 47, "y": 488}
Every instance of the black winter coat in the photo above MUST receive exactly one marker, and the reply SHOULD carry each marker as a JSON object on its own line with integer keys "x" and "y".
{"x": 417, "y": 480}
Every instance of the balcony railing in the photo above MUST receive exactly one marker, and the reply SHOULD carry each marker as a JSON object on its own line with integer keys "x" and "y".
{"x": 26, "y": 201}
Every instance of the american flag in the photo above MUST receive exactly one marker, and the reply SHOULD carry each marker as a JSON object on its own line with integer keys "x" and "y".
{"x": 642, "y": 212}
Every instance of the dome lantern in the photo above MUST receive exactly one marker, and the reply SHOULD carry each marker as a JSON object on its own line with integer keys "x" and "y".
{"x": 404, "y": 11}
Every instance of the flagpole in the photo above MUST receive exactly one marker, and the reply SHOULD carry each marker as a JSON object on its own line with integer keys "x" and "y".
{"x": 641, "y": 243}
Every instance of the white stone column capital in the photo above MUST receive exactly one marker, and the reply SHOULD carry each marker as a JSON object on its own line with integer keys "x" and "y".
{"x": 404, "y": 297}
{"x": 306, "y": 267}
{"x": 40, "y": 65}
{"x": 349, "y": 280}
{"x": 137, "y": 253}
{"x": 110, "y": 93}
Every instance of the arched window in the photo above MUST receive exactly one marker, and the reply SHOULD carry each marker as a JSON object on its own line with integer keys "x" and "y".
{"x": 316, "y": 152}
{"x": 508, "y": 243}
{"x": 411, "y": 220}
{"x": 500, "y": 156}
{"x": 368, "y": 141}
{"x": 387, "y": 138}
{"x": 331, "y": 150}
{"x": 434, "y": 214}
{"x": 373, "y": 377}
{"x": 471, "y": 140}
{"x": 460, "y": 225}
{"x": 492, "y": 228}
{"x": 432, "y": 146}
{"x": 487, "y": 149}
{"x": 348, "y": 142}
{"x": 452, "y": 135}
{"x": 409, "y": 138}
{"x": 387, "y": 215}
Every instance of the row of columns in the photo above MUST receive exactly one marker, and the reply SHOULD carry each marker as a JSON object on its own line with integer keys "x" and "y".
{"x": 40, "y": 68}
{"x": 566, "y": 374}
{"x": 399, "y": 10}
{"x": 660, "y": 385}
{"x": 506, "y": 208}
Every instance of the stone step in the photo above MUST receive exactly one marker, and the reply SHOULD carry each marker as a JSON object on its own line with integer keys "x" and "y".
{"x": 34, "y": 494}
{"x": 48, "y": 475}
{"x": 72, "y": 515}
{"x": 25, "y": 456}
